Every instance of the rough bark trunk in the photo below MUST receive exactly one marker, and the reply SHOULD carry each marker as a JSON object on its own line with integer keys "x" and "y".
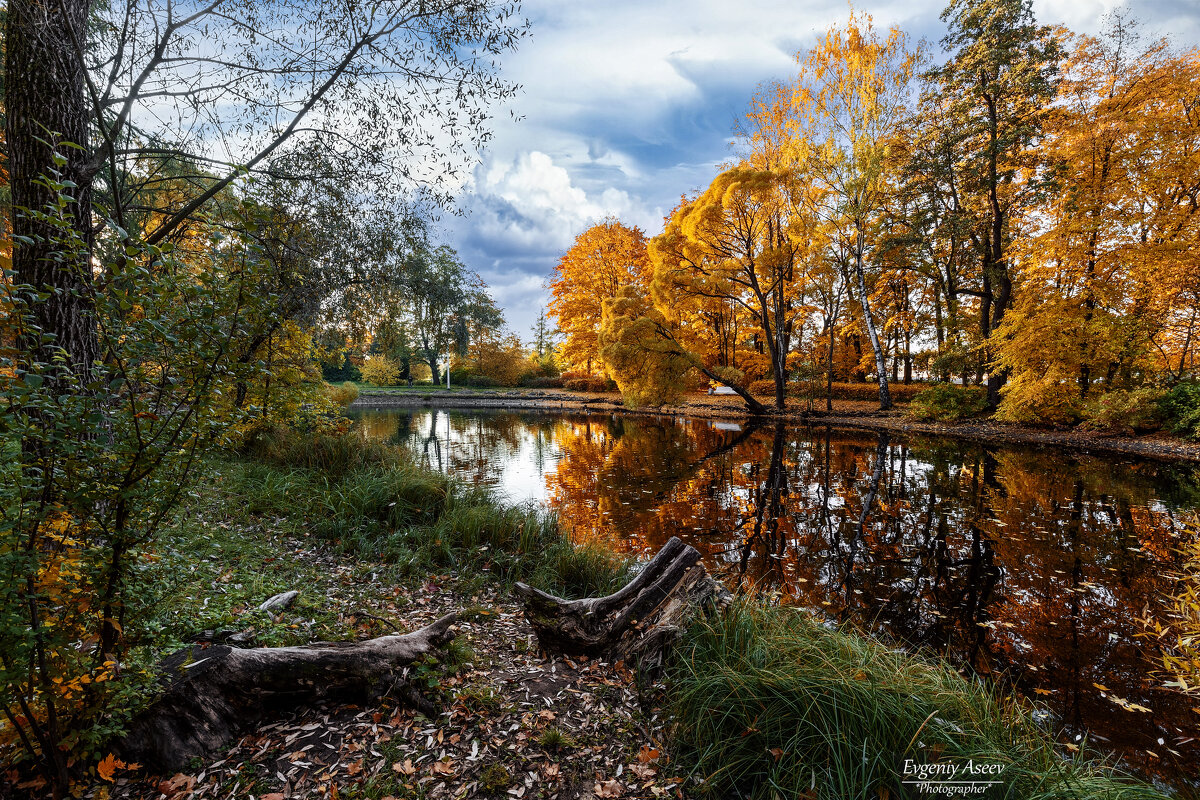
{"x": 636, "y": 624}
{"x": 215, "y": 693}
{"x": 46, "y": 101}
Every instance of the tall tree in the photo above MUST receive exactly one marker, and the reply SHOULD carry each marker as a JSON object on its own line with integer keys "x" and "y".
{"x": 604, "y": 258}
{"x": 997, "y": 85}
{"x": 735, "y": 243}
{"x": 849, "y": 102}
{"x": 48, "y": 125}
{"x": 210, "y": 83}
{"x": 1106, "y": 300}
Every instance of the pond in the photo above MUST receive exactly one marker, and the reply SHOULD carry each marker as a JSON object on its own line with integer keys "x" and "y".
{"x": 1033, "y": 567}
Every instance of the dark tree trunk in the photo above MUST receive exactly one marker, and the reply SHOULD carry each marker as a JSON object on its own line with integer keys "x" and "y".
{"x": 829, "y": 373}
{"x": 46, "y": 101}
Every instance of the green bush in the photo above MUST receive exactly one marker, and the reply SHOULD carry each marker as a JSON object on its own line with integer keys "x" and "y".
{"x": 946, "y": 402}
{"x": 477, "y": 381}
{"x": 769, "y": 703}
{"x": 341, "y": 369}
{"x": 1180, "y": 409}
{"x": 1124, "y": 411}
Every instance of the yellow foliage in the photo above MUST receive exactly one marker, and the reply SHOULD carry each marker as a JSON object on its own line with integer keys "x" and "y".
{"x": 603, "y": 259}
{"x": 647, "y": 362}
{"x": 380, "y": 371}
{"x": 501, "y": 359}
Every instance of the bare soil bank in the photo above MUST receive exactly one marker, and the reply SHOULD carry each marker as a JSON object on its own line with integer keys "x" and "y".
{"x": 851, "y": 414}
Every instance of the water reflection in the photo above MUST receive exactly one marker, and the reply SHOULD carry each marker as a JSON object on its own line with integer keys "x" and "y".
{"x": 1031, "y": 567}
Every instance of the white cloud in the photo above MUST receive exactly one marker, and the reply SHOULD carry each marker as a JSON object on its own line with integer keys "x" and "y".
{"x": 530, "y": 205}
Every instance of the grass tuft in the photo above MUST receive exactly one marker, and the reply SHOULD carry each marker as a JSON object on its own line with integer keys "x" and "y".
{"x": 769, "y": 703}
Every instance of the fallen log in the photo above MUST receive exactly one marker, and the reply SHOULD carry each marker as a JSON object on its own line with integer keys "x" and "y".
{"x": 637, "y": 623}
{"x": 213, "y": 694}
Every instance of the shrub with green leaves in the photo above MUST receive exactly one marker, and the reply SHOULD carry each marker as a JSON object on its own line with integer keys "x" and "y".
{"x": 1125, "y": 411}
{"x": 1180, "y": 409}
{"x": 946, "y": 402}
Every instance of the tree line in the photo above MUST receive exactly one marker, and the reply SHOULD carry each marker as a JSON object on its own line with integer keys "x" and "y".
{"x": 1018, "y": 212}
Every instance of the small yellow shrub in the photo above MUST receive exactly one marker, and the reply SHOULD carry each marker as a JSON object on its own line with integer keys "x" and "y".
{"x": 380, "y": 371}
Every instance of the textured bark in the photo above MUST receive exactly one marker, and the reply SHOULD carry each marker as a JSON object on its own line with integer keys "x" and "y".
{"x": 45, "y": 98}
{"x": 635, "y": 624}
{"x": 215, "y": 693}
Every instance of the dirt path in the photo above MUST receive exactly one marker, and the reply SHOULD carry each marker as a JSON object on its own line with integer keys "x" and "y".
{"x": 846, "y": 414}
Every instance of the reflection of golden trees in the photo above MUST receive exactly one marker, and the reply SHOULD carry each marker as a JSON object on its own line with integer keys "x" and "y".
{"x": 1029, "y": 566}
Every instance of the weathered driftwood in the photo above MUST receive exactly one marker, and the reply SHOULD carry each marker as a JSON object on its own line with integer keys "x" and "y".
{"x": 213, "y": 694}
{"x": 280, "y": 601}
{"x": 636, "y": 623}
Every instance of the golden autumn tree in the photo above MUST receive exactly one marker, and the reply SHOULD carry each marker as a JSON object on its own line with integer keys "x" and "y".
{"x": 1108, "y": 285}
{"x": 650, "y": 354}
{"x": 604, "y": 258}
{"x": 640, "y": 352}
{"x": 848, "y": 103}
{"x": 735, "y": 244}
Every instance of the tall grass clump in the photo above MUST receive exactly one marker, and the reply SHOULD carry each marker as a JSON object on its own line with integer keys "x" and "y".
{"x": 283, "y": 446}
{"x": 771, "y": 704}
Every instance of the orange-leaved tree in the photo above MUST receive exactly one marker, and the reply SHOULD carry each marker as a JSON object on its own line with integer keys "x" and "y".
{"x": 604, "y": 258}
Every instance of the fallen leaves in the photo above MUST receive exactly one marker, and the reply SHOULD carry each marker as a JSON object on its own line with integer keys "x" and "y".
{"x": 110, "y": 764}
{"x": 177, "y": 784}
{"x": 554, "y": 727}
{"x": 647, "y": 754}
{"x": 609, "y": 788}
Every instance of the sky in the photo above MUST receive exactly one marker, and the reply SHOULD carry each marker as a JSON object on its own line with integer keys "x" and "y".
{"x": 627, "y": 104}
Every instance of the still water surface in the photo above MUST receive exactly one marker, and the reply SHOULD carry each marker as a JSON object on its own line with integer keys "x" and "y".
{"x": 1026, "y": 565}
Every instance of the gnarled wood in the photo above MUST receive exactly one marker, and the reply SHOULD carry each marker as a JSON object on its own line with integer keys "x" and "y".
{"x": 636, "y": 623}
{"x": 213, "y": 694}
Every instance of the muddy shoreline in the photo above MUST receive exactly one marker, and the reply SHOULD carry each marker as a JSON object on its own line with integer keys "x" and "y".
{"x": 850, "y": 415}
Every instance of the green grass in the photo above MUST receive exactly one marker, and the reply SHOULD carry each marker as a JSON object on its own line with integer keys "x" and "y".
{"x": 230, "y": 547}
{"x": 369, "y": 500}
{"x": 771, "y": 704}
